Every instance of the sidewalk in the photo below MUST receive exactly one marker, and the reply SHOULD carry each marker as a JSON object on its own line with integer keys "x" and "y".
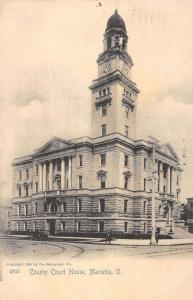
{"x": 121, "y": 242}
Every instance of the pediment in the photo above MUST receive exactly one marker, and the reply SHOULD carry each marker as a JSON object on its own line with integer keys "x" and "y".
{"x": 53, "y": 145}
{"x": 169, "y": 151}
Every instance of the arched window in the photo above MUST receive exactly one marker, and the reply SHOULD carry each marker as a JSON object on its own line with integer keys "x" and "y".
{"x": 54, "y": 207}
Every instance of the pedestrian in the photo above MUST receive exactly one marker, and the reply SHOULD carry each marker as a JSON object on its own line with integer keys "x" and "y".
{"x": 157, "y": 237}
{"x": 108, "y": 237}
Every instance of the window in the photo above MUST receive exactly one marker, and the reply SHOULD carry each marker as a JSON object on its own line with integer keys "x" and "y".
{"x": 17, "y": 226}
{"x": 126, "y": 180}
{"x": 80, "y": 160}
{"x": 26, "y": 209}
{"x": 144, "y": 226}
{"x": 104, "y": 129}
{"x": 26, "y": 190}
{"x": 25, "y": 226}
{"x": 27, "y": 174}
{"x": 144, "y": 184}
{"x": 104, "y": 109}
{"x": 62, "y": 226}
{"x": 144, "y": 207}
{"x": 20, "y": 175}
{"x": 78, "y": 225}
{"x": 36, "y": 207}
{"x": 108, "y": 90}
{"x": 100, "y": 226}
{"x": 36, "y": 169}
{"x": 104, "y": 92}
{"x": 80, "y": 182}
{"x": 99, "y": 94}
{"x": 63, "y": 207}
{"x": 127, "y": 112}
{"x": 36, "y": 187}
{"x": 101, "y": 205}
{"x": 126, "y": 160}
{"x": 35, "y": 225}
{"x": 103, "y": 178}
{"x": 19, "y": 191}
{"x": 79, "y": 205}
{"x": 126, "y": 130}
{"x": 125, "y": 226}
{"x": 103, "y": 159}
{"x": 125, "y": 205}
{"x": 177, "y": 180}
{"x": 145, "y": 163}
{"x": 19, "y": 209}
{"x": 45, "y": 207}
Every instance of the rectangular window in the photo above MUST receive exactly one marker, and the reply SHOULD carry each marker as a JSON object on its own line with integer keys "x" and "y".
{"x": 80, "y": 182}
{"x": 104, "y": 109}
{"x": 125, "y": 226}
{"x": 104, "y": 129}
{"x": 25, "y": 226}
{"x": 62, "y": 226}
{"x": 103, "y": 184}
{"x": 125, "y": 206}
{"x": 27, "y": 174}
{"x": 144, "y": 207}
{"x": 79, "y": 205}
{"x": 103, "y": 159}
{"x": 126, "y": 160}
{"x": 127, "y": 112}
{"x": 26, "y": 190}
{"x": 36, "y": 187}
{"x": 80, "y": 160}
{"x": 19, "y": 191}
{"x": 126, "y": 179}
{"x": 36, "y": 207}
{"x": 100, "y": 226}
{"x": 145, "y": 163}
{"x": 19, "y": 210}
{"x": 101, "y": 205}
{"x": 20, "y": 175}
{"x": 99, "y": 94}
{"x": 78, "y": 225}
{"x": 144, "y": 184}
{"x": 17, "y": 226}
{"x": 126, "y": 130}
{"x": 144, "y": 227}
{"x": 36, "y": 169}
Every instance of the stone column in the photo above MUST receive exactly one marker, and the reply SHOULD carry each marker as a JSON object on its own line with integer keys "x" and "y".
{"x": 69, "y": 172}
{"x": 44, "y": 176}
{"x": 156, "y": 175}
{"x": 161, "y": 175}
{"x": 172, "y": 180}
{"x": 40, "y": 176}
{"x": 62, "y": 173}
{"x": 51, "y": 176}
{"x": 168, "y": 180}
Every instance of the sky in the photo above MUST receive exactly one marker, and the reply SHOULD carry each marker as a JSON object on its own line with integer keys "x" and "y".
{"x": 48, "y": 52}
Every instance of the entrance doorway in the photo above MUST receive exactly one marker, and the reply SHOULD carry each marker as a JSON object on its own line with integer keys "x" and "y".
{"x": 52, "y": 225}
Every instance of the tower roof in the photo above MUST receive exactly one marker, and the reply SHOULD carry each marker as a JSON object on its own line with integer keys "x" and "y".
{"x": 116, "y": 21}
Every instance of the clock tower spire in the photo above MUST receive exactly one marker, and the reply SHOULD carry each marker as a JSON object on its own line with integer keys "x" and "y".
{"x": 113, "y": 93}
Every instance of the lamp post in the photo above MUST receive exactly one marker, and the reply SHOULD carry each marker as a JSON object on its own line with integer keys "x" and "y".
{"x": 154, "y": 142}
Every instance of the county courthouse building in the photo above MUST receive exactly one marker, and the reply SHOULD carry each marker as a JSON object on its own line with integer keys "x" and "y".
{"x": 102, "y": 182}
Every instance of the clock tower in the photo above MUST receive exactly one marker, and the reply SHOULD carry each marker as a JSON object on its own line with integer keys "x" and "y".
{"x": 114, "y": 94}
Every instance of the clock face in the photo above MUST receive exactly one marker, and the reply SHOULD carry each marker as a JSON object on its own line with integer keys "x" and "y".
{"x": 125, "y": 69}
{"x": 106, "y": 68}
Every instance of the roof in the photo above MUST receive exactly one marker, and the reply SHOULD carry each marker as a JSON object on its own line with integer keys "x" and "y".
{"x": 116, "y": 21}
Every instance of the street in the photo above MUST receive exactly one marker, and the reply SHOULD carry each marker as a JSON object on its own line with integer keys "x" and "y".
{"x": 81, "y": 251}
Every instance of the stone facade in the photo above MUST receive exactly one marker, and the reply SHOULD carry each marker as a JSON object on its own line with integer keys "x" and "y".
{"x": 103, "y": 182}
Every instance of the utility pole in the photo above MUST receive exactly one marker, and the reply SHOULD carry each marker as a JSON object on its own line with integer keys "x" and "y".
{"x": 154, "y": 142}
